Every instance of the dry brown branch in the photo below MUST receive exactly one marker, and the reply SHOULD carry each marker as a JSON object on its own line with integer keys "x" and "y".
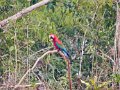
{"x": 20, "y": 86}
{"x": 69, "y": 69}
{"x": 116, "y": 68}
{"x": 49, "y": 52}
{"x": 22, "y": 13}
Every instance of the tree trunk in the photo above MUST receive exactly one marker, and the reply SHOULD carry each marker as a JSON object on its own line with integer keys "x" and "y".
{"x": 117, "y": 43}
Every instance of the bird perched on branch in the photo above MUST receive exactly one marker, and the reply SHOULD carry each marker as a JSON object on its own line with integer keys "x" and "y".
{"x": 58, "y": 45}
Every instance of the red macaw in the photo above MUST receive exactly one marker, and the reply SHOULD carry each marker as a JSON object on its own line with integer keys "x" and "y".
{"x": 58, "y": 45}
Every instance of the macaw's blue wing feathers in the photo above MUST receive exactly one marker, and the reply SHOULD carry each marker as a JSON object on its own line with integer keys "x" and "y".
{"x": 66, "y": 53}
{"x": 61, "y": 47}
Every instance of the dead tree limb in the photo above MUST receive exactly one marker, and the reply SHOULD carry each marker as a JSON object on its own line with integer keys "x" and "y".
{"x": 116, "y": 67}
{"x": 49, "y": 52}
{"x": 22, "y": 13}
{"x": 68, "y": 69}
{"x": 117, "y": 40}
{"x": 3, "y": 87}
{"x": 29, "y": 70}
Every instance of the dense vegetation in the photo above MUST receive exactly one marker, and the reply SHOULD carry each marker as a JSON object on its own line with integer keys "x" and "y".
{"x": 87, "y": 29}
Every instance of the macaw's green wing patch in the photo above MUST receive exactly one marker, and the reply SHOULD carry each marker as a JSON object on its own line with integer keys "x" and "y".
{"x": 60, "y": 46}
{"x": 63, "y": 49}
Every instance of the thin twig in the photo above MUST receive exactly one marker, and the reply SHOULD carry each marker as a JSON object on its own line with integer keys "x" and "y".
{"x": 107, "y": 56}
{"x": 81, "y": 56}
{"x": 20, "y": 86}
{"x": 15, "y": 45}
{"x": 41, "y": 50}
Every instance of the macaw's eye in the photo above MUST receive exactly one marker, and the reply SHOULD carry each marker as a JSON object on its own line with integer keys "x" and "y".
{"x": 51, "y": 37}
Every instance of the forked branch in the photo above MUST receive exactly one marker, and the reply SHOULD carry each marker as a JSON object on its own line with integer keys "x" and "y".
{"x": 49, "y": 52}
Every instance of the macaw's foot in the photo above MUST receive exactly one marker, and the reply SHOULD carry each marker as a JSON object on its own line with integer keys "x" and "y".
{"x": 58, "y": 50}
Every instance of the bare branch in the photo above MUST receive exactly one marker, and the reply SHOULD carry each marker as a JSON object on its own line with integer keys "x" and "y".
{"x": 49, "y": 52}
{"x": 81, "y": 56}
{"x": 22, "y": 13}
{"x": 20, "y": 86}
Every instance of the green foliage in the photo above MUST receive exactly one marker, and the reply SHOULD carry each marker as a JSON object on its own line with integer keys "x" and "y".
{"x": 33, "y": 2}
{"x": 93, "y": 85}
{"x": 116, "y": 77}
{"x": 74, "y": 22}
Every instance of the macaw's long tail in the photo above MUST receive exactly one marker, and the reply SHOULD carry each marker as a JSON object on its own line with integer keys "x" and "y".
{"x": 66, "y": 53}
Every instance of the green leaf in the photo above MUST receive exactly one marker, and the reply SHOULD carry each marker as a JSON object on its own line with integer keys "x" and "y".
{"x": 11, "y": 48}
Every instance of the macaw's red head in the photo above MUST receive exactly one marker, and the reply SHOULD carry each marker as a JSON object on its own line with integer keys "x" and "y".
{"x": 53, "y": 37}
